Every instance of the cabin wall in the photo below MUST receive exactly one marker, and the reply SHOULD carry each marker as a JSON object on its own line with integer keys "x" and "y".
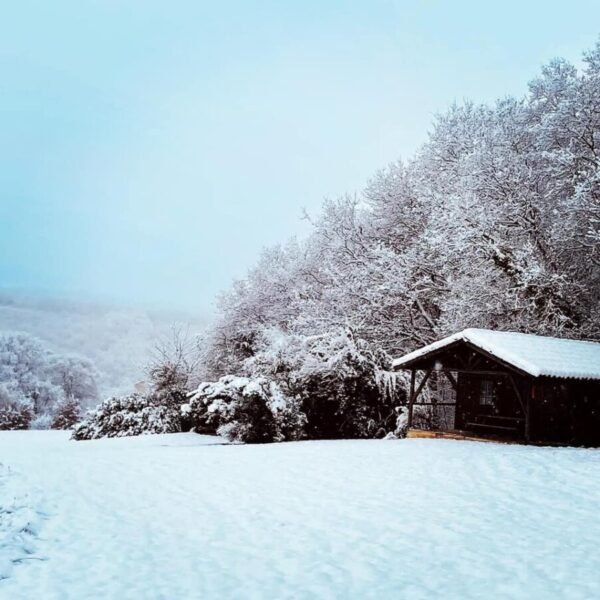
{"x": 489, "y": 398}
{"x": 566, "y": 412}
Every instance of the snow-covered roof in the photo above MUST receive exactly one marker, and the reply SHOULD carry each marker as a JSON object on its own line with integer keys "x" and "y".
{"x": 534, "y": 354}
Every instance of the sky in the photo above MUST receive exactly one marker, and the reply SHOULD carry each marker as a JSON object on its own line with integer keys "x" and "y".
{"x": 149, "y": 150}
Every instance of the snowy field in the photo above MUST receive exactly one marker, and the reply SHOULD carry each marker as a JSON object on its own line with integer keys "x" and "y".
{"x": 185, "y": 516}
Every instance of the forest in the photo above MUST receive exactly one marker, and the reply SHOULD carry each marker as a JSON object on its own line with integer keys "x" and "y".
{"x": 494, "y": 223}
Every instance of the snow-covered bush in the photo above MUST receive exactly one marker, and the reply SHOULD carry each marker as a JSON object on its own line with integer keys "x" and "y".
{"x": 67, "y": 414}
{"x": 159, "y": 411}
{"x": 126, "y": 416}
{"x": 401, "y": 424}
{"x": 15, "y": 416}
{"x": 251, "y": 410}
{"x": 16, "y": 411}
{"x": 345, "y": 388}
{"x": 207, "y": 406}
{"x": 326, "y": 386}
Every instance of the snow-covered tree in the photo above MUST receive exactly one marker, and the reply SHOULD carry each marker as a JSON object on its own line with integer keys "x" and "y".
{"x": 16, "y": 410}
{"x": 174, "y": 366}
{"x": 76, "y": 376}
{"x": 66, "y": 414}
{"x": 39, "y": 381}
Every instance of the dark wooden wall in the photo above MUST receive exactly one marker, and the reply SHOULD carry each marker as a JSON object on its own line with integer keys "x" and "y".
{"x": 561, "y": 411}
{"x": 503, "y": 409}
{"x": 566, "y": 411}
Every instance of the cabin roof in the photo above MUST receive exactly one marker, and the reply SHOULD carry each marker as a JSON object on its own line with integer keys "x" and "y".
{"x": 539, "y": 356}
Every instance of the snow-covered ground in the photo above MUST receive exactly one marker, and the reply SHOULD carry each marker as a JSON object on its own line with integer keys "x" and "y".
{"x": 185, "y": 516}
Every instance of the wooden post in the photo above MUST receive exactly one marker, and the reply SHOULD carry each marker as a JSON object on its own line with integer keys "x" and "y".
{"x": 524, "y": 404}
{"x": 411, "y": 398}
{"x": 454, "y": 383}
{"x": 530, "y": 397}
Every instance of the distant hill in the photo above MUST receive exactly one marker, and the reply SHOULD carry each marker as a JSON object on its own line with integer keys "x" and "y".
{"x": 119, "y": 340}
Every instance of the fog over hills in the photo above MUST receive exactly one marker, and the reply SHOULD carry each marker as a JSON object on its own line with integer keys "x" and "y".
{"x": 119, "y": 340}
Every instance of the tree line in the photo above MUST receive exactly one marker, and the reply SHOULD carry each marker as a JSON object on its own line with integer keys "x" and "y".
{"x": 494, "y": 223}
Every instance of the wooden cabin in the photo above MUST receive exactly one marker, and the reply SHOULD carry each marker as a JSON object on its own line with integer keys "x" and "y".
{"x": 513, "y": 385}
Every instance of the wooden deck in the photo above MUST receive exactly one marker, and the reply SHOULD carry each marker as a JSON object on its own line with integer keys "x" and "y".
{"x": 455, "y": 434}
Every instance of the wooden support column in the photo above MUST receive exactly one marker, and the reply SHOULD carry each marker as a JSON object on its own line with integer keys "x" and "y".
{"x": 411, "y": 397}
{"x": 530, "y": 398}
{"x": 524, "y": 404}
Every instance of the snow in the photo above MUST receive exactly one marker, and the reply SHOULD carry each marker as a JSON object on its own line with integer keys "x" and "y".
{"x": 20, "y": 519}
{"x": 186, "y": 516}
{"x": 537, "y": 355}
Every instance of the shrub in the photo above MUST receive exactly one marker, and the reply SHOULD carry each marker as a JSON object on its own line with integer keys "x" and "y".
{"x": 15, "y": 415}
{"x": 333, "y": 385}
{"x": 242, "y": 409}
{"x": 127, "y": 416}
{"x": 67, "y": 414}
{"x": 346, "y": 388}
{"x": 212, "y": 404}
{"x": 16, "y": 411}
{"x": 251, "y": 422}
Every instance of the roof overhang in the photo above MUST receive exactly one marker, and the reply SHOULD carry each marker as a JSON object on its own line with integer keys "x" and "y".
{"x": 530, "y": 355}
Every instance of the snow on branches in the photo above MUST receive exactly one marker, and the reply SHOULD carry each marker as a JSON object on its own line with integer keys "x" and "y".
{"x": 494, "y": 223}
{"x": 244, "y": 409}
{"x": 36, "y": 384}
{"x": 130, "y": 415}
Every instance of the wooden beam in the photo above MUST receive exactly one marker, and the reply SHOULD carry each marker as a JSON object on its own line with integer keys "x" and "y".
{"x": 451, "y": 379}
{"x": 530, "y": 398}
{"x": 497, "y": 360}
{"x": 524, "y": 405}
{"x": 460, "y": 359}
{"x": 469, "y": 371}
{"x": 450, "y": 349}
{"x": 435, "y": 403}
{"x": 478, "y": 372}
{"x": 411, "y": 397}
{"x": 473, "y": 359}
{"x": 515, "y": 388}
{"x": 422, "y": 384}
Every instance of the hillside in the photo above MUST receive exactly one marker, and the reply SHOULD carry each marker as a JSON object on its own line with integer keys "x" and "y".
{"x": 118, "y": 340}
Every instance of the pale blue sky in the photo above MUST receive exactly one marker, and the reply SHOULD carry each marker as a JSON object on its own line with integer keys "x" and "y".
{"x": 148, "y": 150}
